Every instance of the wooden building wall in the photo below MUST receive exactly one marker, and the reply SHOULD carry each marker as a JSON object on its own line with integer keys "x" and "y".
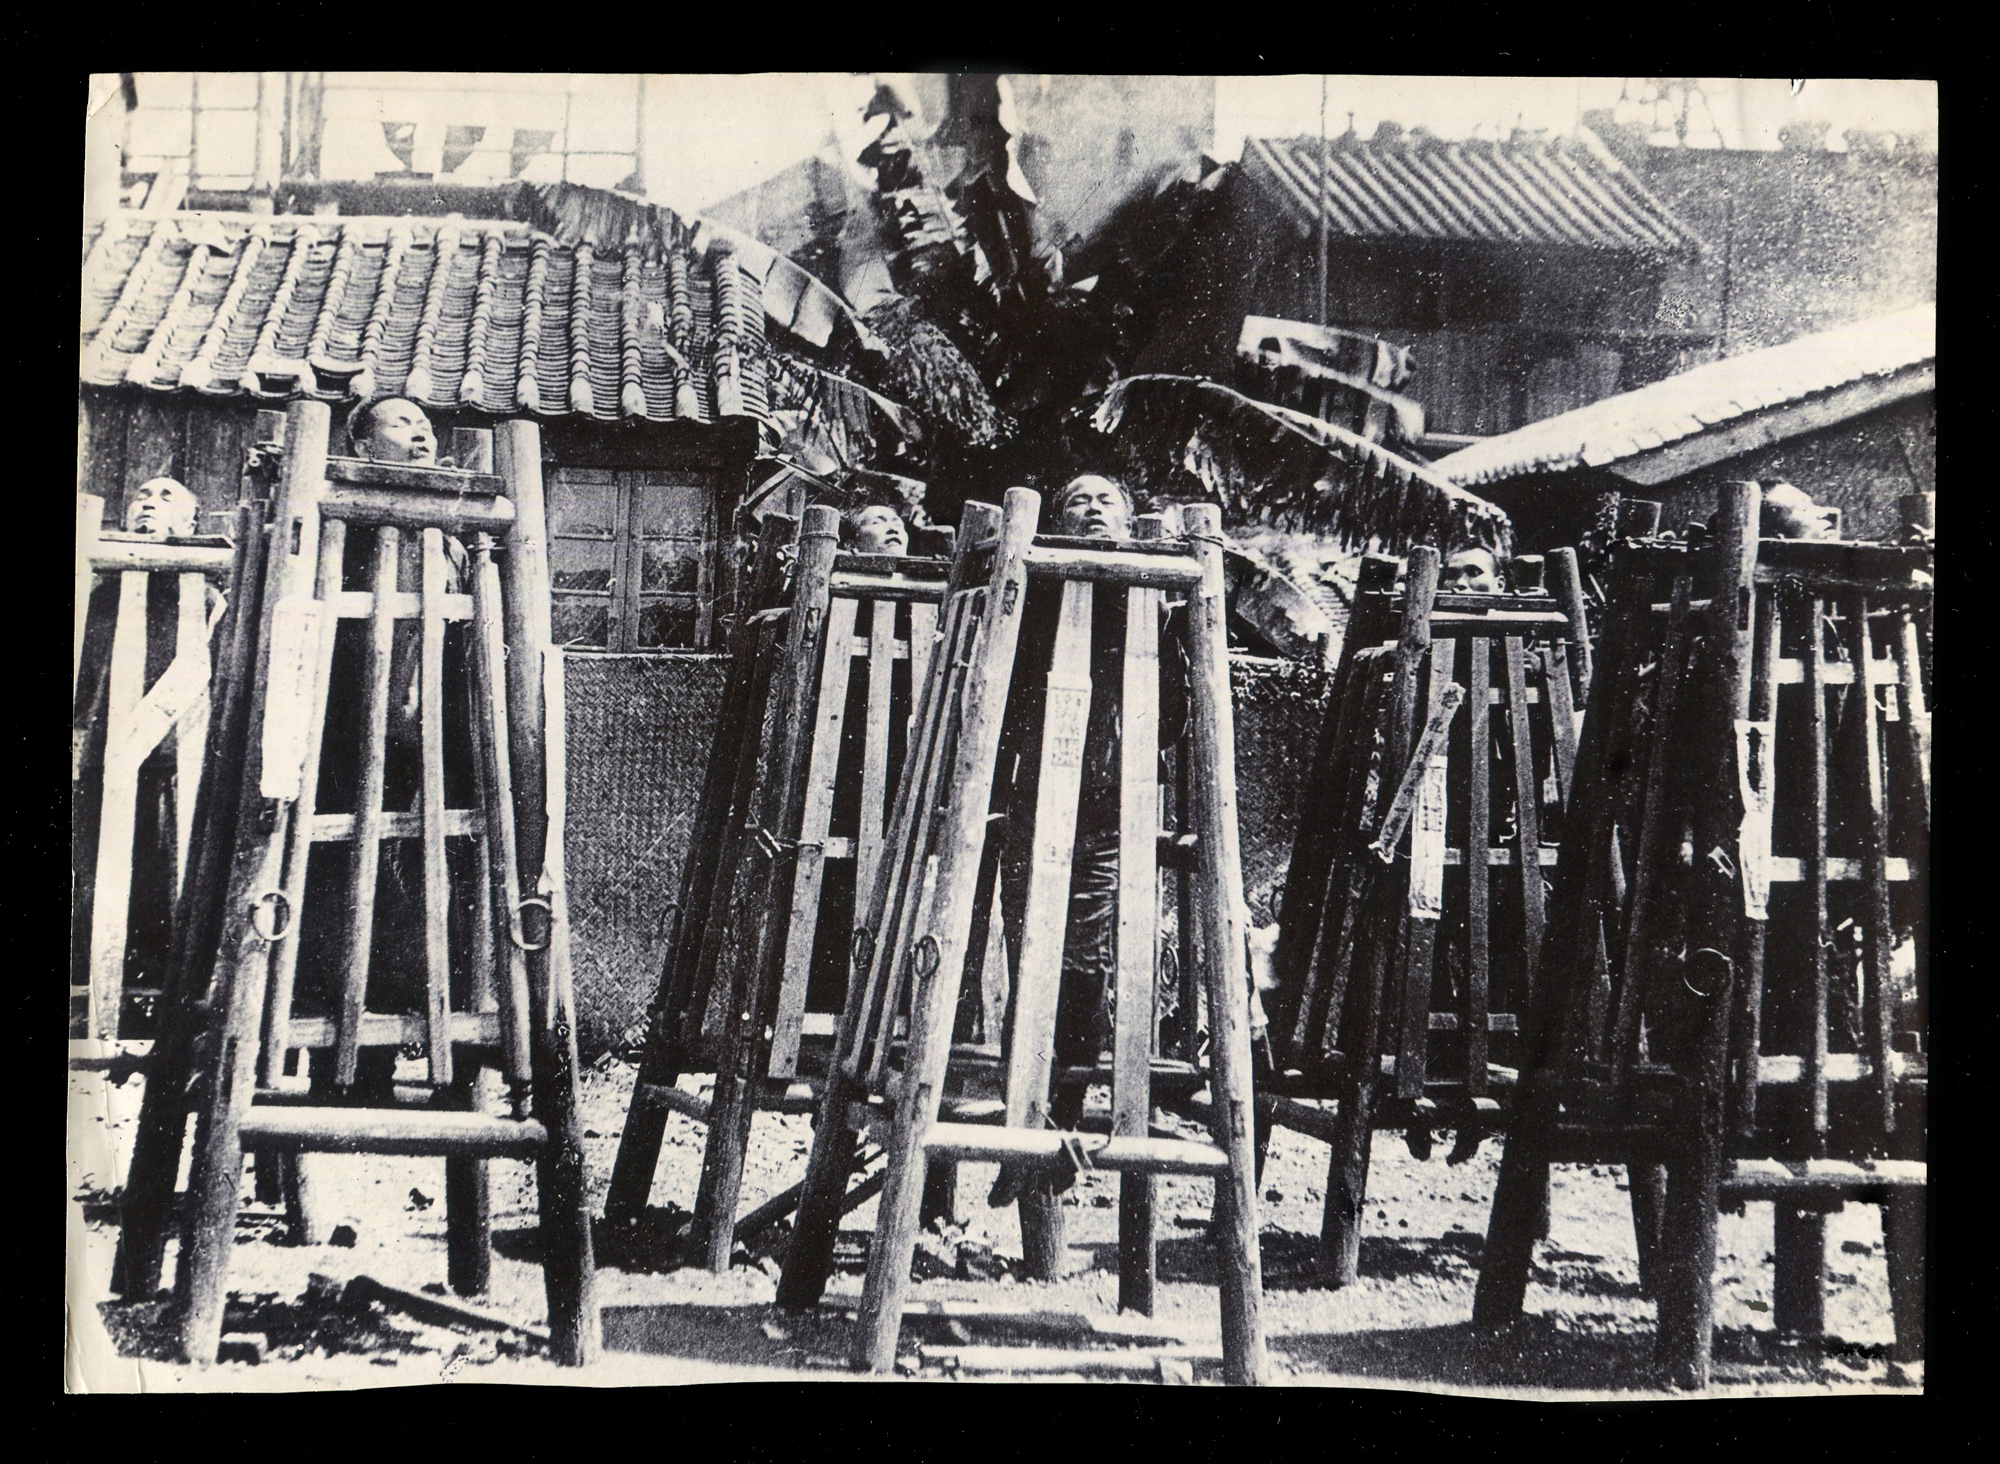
{"x": 1503, "y": 335}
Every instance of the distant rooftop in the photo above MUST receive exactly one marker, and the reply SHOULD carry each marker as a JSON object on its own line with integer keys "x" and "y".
{"x": 1530, "y": 190}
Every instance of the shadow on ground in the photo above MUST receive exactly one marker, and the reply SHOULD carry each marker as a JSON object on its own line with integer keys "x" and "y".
{"x": 738, "y": 1336}
{"x": 1575, "y": 1352}
{"x": 1291, "y": 1260}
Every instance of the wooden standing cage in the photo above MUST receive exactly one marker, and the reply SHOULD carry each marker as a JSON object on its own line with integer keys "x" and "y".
{"x": 1400, "y": 988}
{"x": 1721, "y": 1008}
{"x": 491, "y": 989}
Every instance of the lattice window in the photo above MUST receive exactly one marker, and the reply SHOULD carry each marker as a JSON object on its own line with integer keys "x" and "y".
{"x": 632, "y": 556}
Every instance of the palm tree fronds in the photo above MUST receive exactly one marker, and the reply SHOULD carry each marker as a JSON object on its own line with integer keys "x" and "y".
{"x": 1272, "y": 464}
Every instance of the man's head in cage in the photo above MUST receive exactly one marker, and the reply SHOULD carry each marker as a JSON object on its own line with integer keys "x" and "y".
{"x": 1094, "y": 507}
{"x": 874, "y": 526}
{"x": 1471, "y": 570}
{"x": 392, "y": 430}
{"x": 161, "y": 507}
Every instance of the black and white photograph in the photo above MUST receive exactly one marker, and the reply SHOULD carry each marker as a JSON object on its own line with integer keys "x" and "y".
{"x": 1206, "y": 730}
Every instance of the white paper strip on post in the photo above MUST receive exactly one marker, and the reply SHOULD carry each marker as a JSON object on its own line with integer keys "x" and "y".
{"x": 1427, "y": 843}
{"x": 1754, "y": 741}
{"x": 288, "y": 696}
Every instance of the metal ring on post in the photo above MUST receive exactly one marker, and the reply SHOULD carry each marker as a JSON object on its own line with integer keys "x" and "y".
{"x": 925, "y": 957}
{"x": 264, "y": 902}
{"x": 862, "y": 947}
{"x": 1715, "y": 960}
{"x": 517, "y": 933}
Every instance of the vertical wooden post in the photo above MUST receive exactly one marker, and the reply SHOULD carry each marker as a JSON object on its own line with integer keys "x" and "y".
{"x": 1903, "y": 1242}
{"x": 285, "y": 961}
{"x": 238, "y": 992}
{"x": 534, "y": 668}
{"x": 1813, "y": 1072}
{"x": 431, "y": 809}
{"x": 646, "y": 1122}
{"x": 1376, "y": 931}
{"x": 960, "y": 843}
{"x": 1798, "y": 1248}
{"x": 366, "y": 856}
{"x": 1031, "y": 1052}
{"x": 191, "y": 732}
{"x": 111, "y": 905}
{"x": 1694, "y": 1168}
{"x": 1758, "y": 707}
{"x": 1427, "y": 844}
{"x": 89, "y": 522}
{"x": 1875, "y": 917}
{"x": 162, "y": 1128}
{"x": 1568, "y": 586}
{"x": 1138, "y": 930}
{"x": 779, "y": 804}
{"x": 468, "y": 1201}
{"x": 1312, "y": 882}
{"x": 1479, "y": 865}
{"x": 795, "y": 955}
{"x": 809, "y": 1259}
{"x": 1225, "y": 930}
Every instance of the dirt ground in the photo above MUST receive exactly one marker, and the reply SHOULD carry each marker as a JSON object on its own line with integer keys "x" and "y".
{"x": 1405, "y": 1323}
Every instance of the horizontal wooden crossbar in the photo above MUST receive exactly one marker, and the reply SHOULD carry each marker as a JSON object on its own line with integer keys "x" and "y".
{"x": 407, "y": 477}
{"x": 403, "y": 605}
{"x": 885, "y": 587}
{"x": 1501, "y": 856}
{"x": 390, "y": 1131}
{"x": 1046, "y": 1146}
{"x": 335, "y": 828}
{"x": 1495, "y": 1022}
{"x": 123, "y": 557}
{"x": 417, "y": 508}
{"x": 389, "y": 1029}
{"x": 1790, "y": 671}
{"x": 1148, "y": 571}
{"x": 1498, "y": 623}
{"x": 796, "y": 1098}
{"x": 1776, "y": 1069}
{"x": 1088, "y": 1362}
{"x": 1769, "y": 1179}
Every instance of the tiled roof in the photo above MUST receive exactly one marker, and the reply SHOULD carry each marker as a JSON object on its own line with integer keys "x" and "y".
{"x": 492, "y": 316}
{"x": 1715, "y": 395}
{"x": 1529, "y": 191}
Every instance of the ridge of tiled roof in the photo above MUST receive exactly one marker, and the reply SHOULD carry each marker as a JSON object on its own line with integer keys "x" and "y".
{"x": 492, "y": 316}
{"x": 1715, "y": 394}
{"x": 1563, "y": 190}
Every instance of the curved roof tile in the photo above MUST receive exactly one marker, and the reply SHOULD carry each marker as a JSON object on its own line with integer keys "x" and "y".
{"x": 495, "y": 316}
{"x": 1568, "y": 191}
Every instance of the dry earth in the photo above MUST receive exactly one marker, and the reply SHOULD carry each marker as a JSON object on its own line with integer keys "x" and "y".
{"x": 1404, "y": 1324}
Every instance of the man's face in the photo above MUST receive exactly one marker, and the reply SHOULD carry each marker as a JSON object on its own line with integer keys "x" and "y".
{"x": 1792, "y": 515}
{"x": 1470, "y": 572}
{"x": 401, "y": 433}
{"x": 161, "y": 507}
{"x": 1094, "y": 508}
{"x": 878, "y": 529}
